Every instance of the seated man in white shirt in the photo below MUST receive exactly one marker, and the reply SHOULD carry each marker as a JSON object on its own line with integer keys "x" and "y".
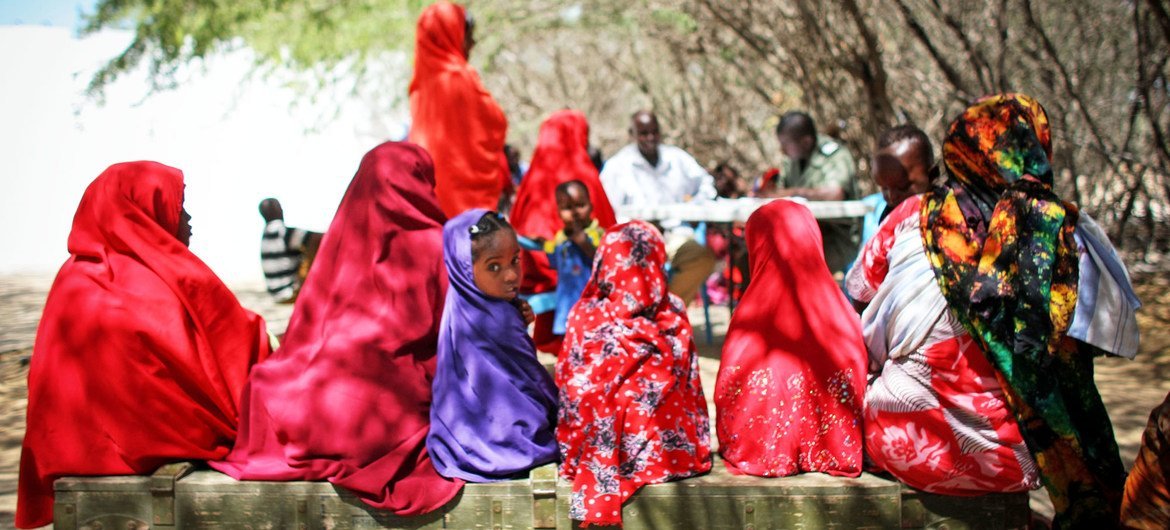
{"x": 647, "y": 173}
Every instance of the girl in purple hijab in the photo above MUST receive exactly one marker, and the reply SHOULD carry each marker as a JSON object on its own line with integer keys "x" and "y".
{"x": 494, "y": 410}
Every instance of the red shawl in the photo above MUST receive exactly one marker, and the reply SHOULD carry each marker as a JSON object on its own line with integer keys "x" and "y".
{"x": 632, "y": 410}
{"x": 453, "y": 115}
{"x": 142, "y": 352}
{"x": 788, "y": 395}
{"x": 560, "y": 156}
{"x": 347, "y": 396}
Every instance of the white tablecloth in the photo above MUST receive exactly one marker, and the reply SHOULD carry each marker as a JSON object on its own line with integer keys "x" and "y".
{"x": 728, "y": 210}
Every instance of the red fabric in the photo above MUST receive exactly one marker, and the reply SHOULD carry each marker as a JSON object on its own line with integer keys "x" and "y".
{"x": 453, "y": 116}
{"x": 542, "y": 335}
{"x": 788, "y": 395}
{"x": 929, "y": 444}
{"x": 561, "y": 155}
{"x": 142, "y": 352}
{"x": 632, "y": 410}
{"x": 347, "y": 396}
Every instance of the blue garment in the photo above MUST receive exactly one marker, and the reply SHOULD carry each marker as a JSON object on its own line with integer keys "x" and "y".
{"x": 869, "y": 223}
{"x": 873, "y": 219}
{"x": 493, "y": 410}
{"x": 574, "y": 269}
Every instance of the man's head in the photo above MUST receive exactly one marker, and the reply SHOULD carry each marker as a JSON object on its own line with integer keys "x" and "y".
{"x": 644, "y": 130}
{"x": 903, "y": 163}
{"x": 797, "y": 134}
{"x": 727, "y": 181}
{"x": 574, "y": 204}
{"x": 270, "y": 209}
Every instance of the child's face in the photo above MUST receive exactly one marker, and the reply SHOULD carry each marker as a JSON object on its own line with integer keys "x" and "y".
{"x": 497, "y": 269}
{"x": 574, "y": 206}
{"x": 900, "y": 172}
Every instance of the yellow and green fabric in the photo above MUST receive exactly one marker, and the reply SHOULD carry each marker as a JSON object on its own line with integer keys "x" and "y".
{"x": 1001, "y": 244}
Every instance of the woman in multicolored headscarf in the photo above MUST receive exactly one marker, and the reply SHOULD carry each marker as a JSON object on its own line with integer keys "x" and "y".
{"x": 631, "y": 409}
{"x": 985, "y": 355}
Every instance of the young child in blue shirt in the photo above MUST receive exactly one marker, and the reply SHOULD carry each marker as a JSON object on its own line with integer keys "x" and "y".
{"x": 571, "y": 250}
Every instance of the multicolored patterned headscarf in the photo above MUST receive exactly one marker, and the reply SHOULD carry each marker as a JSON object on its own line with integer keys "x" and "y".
{"x": 1001, "y": 244}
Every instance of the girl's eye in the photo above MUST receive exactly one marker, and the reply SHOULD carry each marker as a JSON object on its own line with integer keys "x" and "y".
{"x": 494, "y": 267}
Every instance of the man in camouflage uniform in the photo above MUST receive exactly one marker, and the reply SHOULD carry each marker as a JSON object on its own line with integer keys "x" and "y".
{"x": 819, "y": 168}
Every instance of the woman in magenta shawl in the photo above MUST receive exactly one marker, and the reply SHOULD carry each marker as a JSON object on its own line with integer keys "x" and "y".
{"x": 347, "y": 397}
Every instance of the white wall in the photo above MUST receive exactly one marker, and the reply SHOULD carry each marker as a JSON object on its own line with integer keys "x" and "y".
{"x": 236, "y": 140}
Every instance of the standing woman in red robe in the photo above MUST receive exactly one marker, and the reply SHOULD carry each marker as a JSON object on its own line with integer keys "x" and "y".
{"x": 453, "y": 116}
{"x": 142, "y": 352}
{"x": 561, "y": 155}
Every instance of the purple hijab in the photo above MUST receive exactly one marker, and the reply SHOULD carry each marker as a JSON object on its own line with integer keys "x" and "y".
{"x": 494, "y": 411}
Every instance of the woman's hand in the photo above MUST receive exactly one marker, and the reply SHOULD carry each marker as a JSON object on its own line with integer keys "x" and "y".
{"x": 525, "y": 310}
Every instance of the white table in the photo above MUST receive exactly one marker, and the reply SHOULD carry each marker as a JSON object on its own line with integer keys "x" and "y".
{"x": 729, "y": 210}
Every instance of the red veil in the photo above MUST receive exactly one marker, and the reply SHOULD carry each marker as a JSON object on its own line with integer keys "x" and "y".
{"x": 347, "y": 396}
{"x": 454, "y": 117}
{"x": 142, "y": 352}
{"x": 631, "y": 408}
{"x": 561, "y": 155}
{"x": 788, "y": 396}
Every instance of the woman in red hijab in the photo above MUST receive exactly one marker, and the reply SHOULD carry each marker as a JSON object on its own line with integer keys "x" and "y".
{"x": 631, "y": 407}
{"x": 788, "y": 395}
{"x": 561, "y": 156}
{"x": 142, "y": 352}
{"x": 347, "y": 396}
{"x": 453, "y": 116}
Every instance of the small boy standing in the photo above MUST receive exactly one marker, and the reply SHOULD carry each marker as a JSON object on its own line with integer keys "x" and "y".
{"x": 571, "y": 250}
{"x": 285, "y": 253}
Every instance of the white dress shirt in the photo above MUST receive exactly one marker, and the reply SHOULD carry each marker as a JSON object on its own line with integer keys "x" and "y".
{"x": 629, "y": 179}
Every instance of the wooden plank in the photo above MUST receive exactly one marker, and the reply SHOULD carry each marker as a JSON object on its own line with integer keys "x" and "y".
{"x": 718, "y": 500}
{"x": 992, "y": 511}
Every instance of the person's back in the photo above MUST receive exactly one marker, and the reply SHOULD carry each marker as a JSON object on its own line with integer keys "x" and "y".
{"x": 142, "y": 352}
{"x": 629, "y": 356}
{"x": 346, "y": 398}
{"x": 974, "y": 290}
{"x": 792, "y": 372}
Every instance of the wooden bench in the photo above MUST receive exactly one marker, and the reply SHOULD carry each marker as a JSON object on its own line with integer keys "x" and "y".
{"x": 178, "y": 496}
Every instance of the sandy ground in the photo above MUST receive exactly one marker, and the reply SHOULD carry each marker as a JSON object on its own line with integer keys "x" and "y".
{"x": 1130, "y": 388}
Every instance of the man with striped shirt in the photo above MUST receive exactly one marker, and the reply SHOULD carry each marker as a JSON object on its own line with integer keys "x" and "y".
{"x": 285, "y": 253}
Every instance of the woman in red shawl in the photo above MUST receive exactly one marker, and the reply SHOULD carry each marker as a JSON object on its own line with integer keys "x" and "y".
{"x": 561, "y": 156}
{"x": 453, "y": 116}
{"x": 631, "y": 408}
{"x": 347, "y": 396}
{"x": 788, "y": 396}
{"x": 142, "y": 352}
